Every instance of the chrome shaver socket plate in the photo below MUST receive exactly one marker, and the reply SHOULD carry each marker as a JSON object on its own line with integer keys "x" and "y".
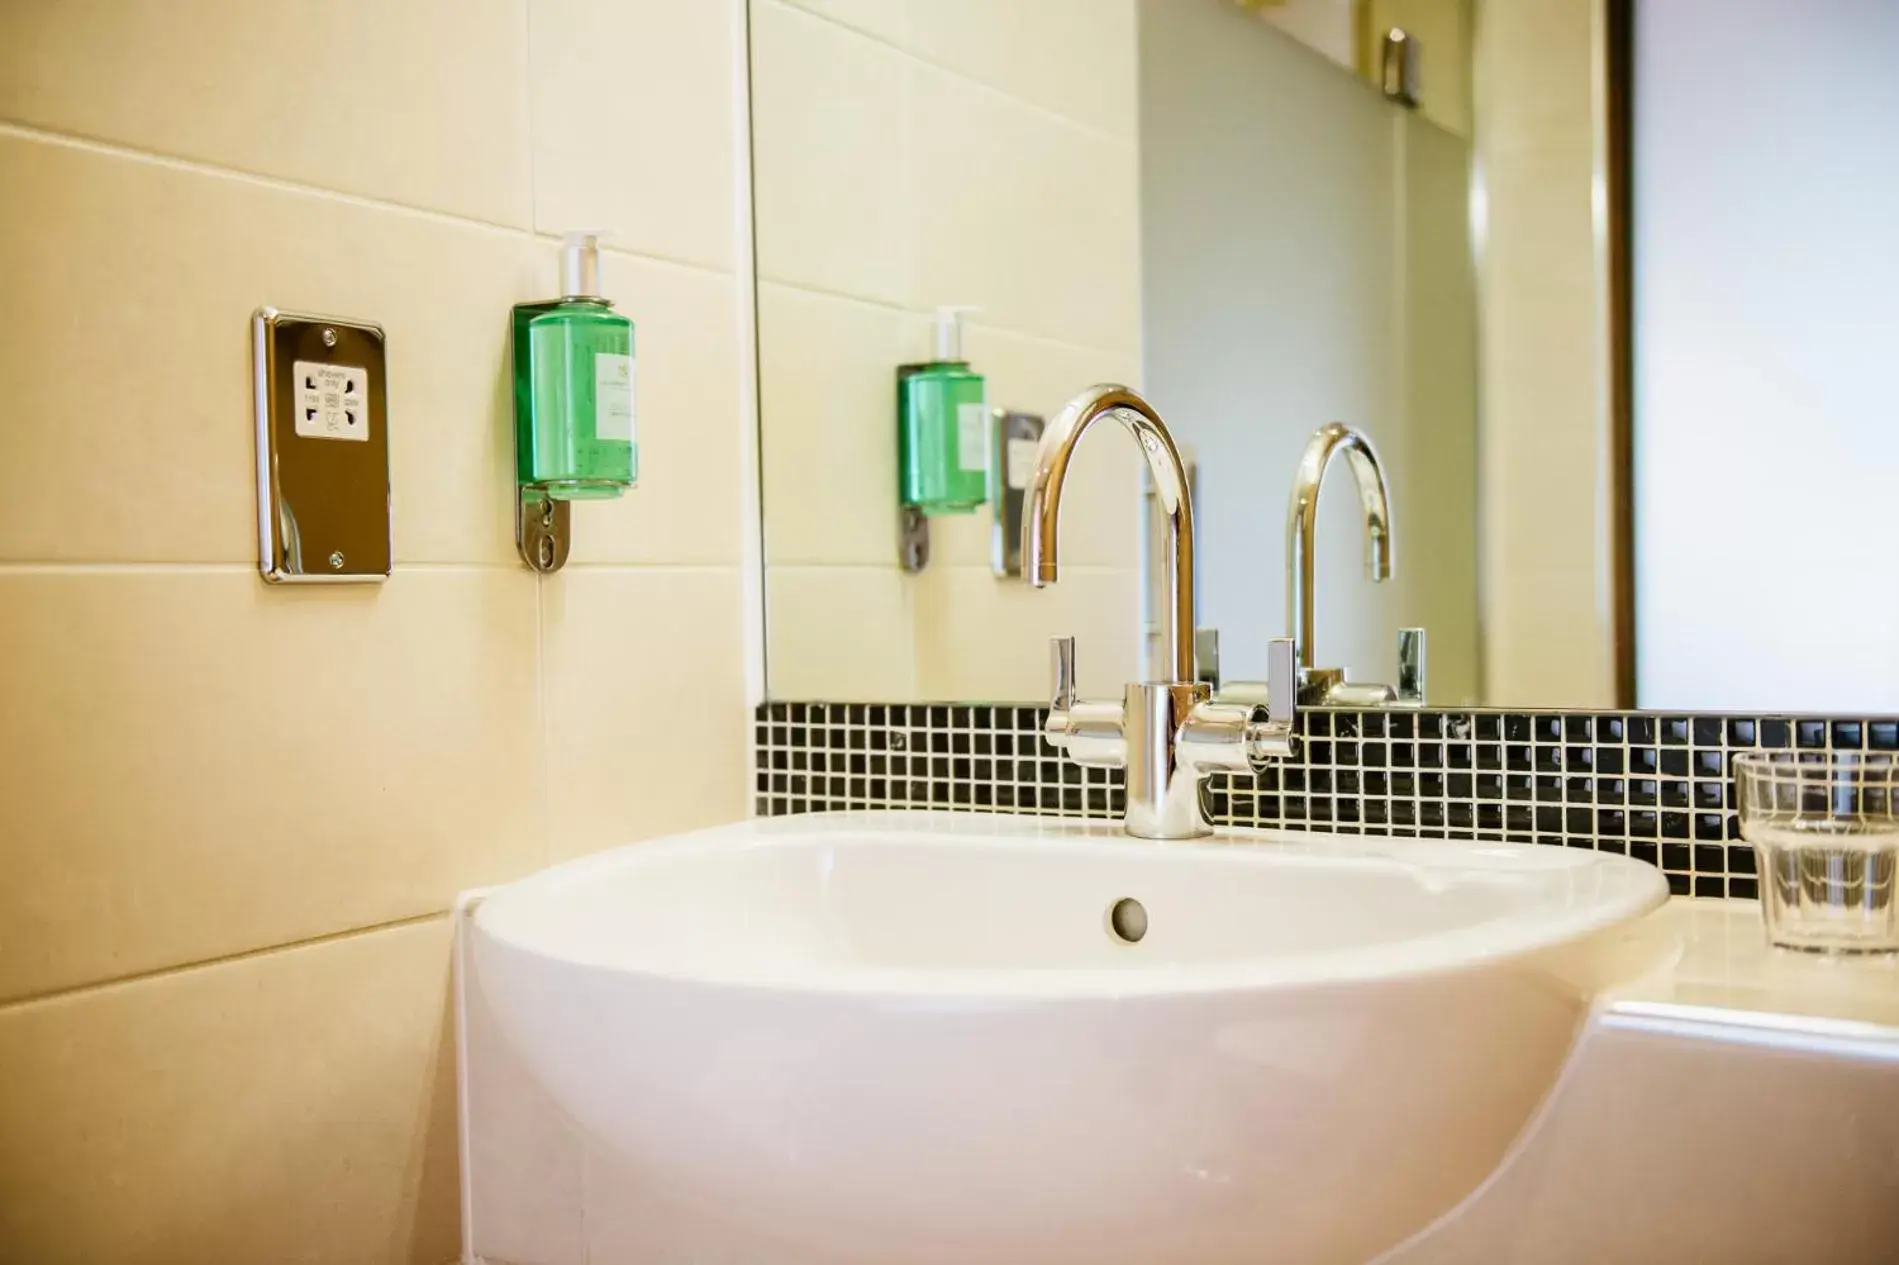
{"x": 322, "y": 414}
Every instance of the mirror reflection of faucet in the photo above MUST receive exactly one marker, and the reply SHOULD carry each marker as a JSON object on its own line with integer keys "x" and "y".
{"x": 1319, "y": 685}
{"x": 1322, "y": 687}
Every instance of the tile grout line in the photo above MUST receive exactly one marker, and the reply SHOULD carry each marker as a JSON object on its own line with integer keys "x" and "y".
{"x": 904, "y": 309}
{"x": 544, "y": 748}
{"x": 278, "y": 184}
{"x": 243, "y": 955}
{"x": 1131, "y": 141}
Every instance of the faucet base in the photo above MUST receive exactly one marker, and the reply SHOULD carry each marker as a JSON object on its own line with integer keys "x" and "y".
{"x": 1163, "y": 790}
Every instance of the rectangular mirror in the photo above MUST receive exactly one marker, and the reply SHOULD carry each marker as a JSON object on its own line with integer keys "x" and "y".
{"x": 1608, "y": 323}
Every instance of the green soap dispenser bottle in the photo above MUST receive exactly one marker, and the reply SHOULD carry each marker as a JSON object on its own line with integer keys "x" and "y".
{"x": 943, "y": 427}
{"x": 573, "y": 385}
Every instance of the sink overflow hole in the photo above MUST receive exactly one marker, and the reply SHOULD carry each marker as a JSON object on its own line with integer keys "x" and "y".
{"x": 1127, "y": 918}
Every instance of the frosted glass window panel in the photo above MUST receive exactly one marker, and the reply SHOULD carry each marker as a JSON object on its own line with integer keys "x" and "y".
{"x": 1766, "y": 319}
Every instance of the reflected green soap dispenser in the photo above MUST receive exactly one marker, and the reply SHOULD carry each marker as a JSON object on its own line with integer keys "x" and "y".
{"x": 573, "y": 385}
{"x": 943, "y": 427}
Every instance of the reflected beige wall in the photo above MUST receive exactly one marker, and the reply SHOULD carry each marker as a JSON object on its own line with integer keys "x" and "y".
{"x": 910, "y": 155}
{"x": 1351, "y": 33}
{"x": 1523, "y": 79}
{"x": 1546, "y": 480}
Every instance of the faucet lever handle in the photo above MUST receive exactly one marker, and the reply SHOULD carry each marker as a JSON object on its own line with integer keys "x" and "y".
{"x": 1411, "y": 666}
{"x": 1282, "y": 681}
{"x": 1061, "y": 664}
{"x": 1206, "y": 657}
{"x": 1273, "y": 738}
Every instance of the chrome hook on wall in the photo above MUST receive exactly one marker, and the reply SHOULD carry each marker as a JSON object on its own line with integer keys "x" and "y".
{"x": 542, "y": 529}
{"x": 1398, "y": 67}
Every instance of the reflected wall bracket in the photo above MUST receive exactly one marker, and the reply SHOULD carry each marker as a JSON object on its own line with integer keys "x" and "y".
{"x": 1013, "y": 439}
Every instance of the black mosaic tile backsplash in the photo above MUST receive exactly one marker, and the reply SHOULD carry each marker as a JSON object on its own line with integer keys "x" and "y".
{"x": 1652, "y": 786}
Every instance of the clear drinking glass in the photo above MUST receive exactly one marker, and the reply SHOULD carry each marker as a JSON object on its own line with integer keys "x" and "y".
{"x": 1825, "y": 830}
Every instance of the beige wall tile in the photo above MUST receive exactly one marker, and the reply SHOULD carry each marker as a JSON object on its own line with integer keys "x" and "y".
{"x": 135, "y": 409}
{"x": 841, "y": 633}
{"x": 982, "y": 639}
{"x": 196, "y": 764}
{"x": 685, "y": 337}
{"x": 647, "y": 731}
{"x": 1075, "y": 57}
{"x": 422, "y": 103}
{"x": 1030, "y": 218}
{"x": 632, "y": 114}
{"x": 829, "y": 154}
{"x": 827, "y": 382}
{"x": 1040, "y": 374}
{"x": 290, "y": 1106}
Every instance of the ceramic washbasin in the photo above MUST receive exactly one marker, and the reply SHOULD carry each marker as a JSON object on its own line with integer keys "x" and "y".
{"x": 918, "y": 1037}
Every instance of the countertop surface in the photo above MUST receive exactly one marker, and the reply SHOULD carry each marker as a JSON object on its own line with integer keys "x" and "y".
{"x": 1717, "y": 968}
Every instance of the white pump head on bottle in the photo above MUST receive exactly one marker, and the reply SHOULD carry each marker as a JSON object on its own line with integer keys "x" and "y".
{"x": 949, "y": 330}
{"x": 580, "y": 263}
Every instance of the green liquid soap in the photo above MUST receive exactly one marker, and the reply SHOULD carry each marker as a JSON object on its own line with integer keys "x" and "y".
{"x": 573, "y": 387}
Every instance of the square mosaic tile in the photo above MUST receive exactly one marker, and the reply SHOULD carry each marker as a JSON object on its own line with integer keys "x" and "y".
{"x": 1654, "y": 786}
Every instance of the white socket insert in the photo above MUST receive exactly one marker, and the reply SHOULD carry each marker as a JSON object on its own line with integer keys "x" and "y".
{"x": 332, "y": 401}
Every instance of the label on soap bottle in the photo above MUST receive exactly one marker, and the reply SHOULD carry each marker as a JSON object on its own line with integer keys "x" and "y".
{"x": 613, "y": 396}
{"x": 972, "y": 436}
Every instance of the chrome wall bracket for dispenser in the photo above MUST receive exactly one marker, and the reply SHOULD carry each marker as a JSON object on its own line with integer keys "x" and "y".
{"x": 1013, "y": 439}
{"x": 543, "y": 529}
{"x": 322, "y": 418}
{"x": 913, "y": 542}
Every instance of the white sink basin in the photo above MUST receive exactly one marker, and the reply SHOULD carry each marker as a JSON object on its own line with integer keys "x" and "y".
{"x": 916, "y": 1037}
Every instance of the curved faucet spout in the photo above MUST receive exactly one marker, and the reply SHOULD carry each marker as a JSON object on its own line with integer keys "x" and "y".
{"x": 1043, "y": 507}
{"x": 1302, "y": 517}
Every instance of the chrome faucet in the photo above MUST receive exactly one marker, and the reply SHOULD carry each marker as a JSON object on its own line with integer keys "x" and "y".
{"x": 1167, "y": 734}
{"x": 1328, "y": 685}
